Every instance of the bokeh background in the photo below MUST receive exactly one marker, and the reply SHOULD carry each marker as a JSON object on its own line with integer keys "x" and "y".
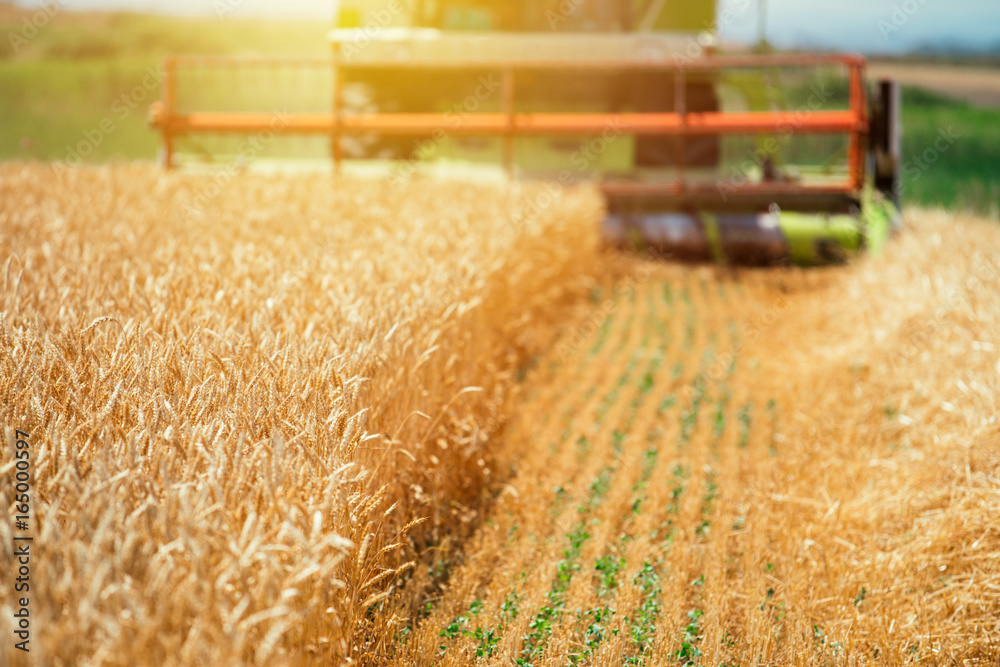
{"x": 67, "y": 66}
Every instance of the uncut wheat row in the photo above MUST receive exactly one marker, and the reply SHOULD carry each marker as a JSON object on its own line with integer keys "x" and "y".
{"x": 251, "y": 400}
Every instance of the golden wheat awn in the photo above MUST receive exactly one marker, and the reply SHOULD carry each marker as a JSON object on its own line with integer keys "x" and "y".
{"x": 286, "y": 420}
{"x": 242, "y": 395}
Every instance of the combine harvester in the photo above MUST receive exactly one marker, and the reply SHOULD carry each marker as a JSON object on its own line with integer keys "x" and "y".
{"x": 702, "y": 153}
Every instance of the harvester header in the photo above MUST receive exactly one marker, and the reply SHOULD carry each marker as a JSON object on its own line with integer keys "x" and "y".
{"x": 702, "y": 154}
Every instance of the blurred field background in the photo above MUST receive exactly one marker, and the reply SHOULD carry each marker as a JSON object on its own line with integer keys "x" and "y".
{"x": 67, "y": 78}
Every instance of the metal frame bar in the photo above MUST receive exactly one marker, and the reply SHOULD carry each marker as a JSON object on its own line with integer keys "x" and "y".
{"x": 510, "y": 129}
{"x": 524, "y": 124}
{"x": 336, "y": 128}
{"x": 168, "y": 106}
{"x": 859, "y": 108}
{"x": 715, "y": 62}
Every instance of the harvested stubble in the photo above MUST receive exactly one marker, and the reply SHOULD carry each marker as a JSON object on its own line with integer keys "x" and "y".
{"x": 767, "y": 468}
{"x": 240, "y": 394}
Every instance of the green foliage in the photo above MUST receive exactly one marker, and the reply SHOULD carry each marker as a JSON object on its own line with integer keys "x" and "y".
{"x": 77, "y": 72}
{"x": 649, "y": 458}
{"x": 719, "y": 424}
{"x": 121, "y": 34}
{"x": 509, "y": 610}
{"x": 711, "y": 493}
{"x": 689, "y": 652}
{"x": 599, "y": 487}
{"x": 618, "y": 438}
{"x": 540, "y": 627}
{"x": 602, "y": 336}
{"x": 608, "y": 567}
{"x": 767, "y": 600}
{"x": 487, "y": 639}
{"x": 642, "y": 625}
{"x": 964, "y": 175}
{"x": 609, "y": 399}
{"x": 596, "y": 631}
{"x": 744, "y": 417}
{"x": 819, "y": 637}
{"x": 677, "y": 491}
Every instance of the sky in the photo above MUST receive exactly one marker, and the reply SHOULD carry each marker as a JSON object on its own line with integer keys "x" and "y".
{"x": 881, "y": 26}
{"x": 872, "y": 25}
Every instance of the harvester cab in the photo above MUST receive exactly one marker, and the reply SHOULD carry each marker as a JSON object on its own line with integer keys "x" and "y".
{"x": 702, "y": 152}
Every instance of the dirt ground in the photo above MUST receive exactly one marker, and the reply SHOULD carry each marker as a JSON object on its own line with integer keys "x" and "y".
{"x": 769, "y": 467}
{"x": 976, "y": 85}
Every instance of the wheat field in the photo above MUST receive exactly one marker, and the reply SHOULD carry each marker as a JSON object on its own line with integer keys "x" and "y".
{"x": 287, "y": 420}
{"x": 242, "y": 396}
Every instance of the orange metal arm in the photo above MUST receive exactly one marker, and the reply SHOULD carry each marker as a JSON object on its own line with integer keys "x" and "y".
{"x": 815, "y": 122}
